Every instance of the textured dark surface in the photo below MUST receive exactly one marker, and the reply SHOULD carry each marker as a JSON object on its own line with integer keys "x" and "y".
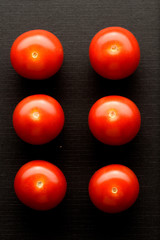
{"x": 75, "y": 151}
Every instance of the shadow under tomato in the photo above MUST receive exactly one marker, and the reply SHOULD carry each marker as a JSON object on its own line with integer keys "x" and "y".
{"x": 111, "y": 226}
{"x": 52, "y": 86}
{"x": 54, "y": 222}
{"x": 48, "y": 151}
{"x": 103, "y": 154}
{"x": 105, "y": 87}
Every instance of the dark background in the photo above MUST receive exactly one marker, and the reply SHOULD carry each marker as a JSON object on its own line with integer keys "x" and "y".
{"x": 75, "y": 151}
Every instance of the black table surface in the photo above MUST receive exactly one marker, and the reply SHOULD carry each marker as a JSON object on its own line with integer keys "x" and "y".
{"x": 76, "y": 86}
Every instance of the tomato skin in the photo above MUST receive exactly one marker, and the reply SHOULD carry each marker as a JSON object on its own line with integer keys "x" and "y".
{"x": 114, "y": 120}
{"x": 40, "y": 185}
{"x": 38, "y": 119}
{"x": 113, "y": 188}
{"x": 114, "y": 53}
{"x": 36, "y": 54}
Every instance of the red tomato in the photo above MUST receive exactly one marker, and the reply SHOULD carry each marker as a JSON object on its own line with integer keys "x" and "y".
{"x": 37, "y": 54}
{"x": 40, "y": 185}
{"x": 114, "y": 120}
{"x": 113, "y": 188}
{"x": 114, "y": 53}
{"x": 38, "y": 119}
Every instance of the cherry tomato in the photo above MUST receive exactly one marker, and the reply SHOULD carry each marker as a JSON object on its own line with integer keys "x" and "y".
{"x": 114, "y": 53}
{"x": 37, "y": 54}
{"x": 113, "y": 188}
{"x": 40, "y": 185}
{"x": 38, "y": 119}
{"x": 114, "y": 120}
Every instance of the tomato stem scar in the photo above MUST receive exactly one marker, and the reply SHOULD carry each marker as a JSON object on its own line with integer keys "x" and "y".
{"x": 112, "y": 114}
{"x": 34, "y": 54}
{"x": 36, "y": 115}
{"x": 114, "y": 48}
{"x": 114, "y": 190}
{"x": 39, "y": 184}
